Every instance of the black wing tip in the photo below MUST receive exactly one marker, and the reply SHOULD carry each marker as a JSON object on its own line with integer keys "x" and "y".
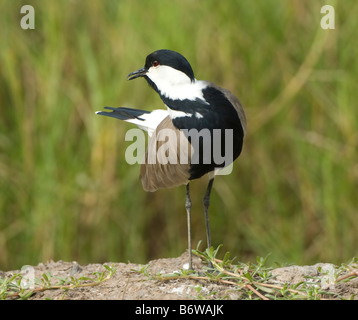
{"x": 123, "y": 113}
{"x": 104, "y": 113}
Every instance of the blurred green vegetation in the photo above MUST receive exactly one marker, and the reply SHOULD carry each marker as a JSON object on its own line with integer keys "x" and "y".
{"x": 66, "y": 191}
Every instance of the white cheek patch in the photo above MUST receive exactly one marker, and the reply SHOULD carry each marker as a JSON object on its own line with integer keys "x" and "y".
{"x": 165, "y": 76}
{"x": 174, "y": 84}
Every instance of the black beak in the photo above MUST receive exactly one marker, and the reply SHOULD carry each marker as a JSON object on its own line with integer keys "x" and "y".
{"x": 136, "y": 74}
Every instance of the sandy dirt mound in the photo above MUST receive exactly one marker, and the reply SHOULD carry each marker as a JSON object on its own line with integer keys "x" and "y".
{"x": 130, "y": 282}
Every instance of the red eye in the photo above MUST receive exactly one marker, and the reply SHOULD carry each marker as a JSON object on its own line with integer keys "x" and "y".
{"x": 155, "y": 63}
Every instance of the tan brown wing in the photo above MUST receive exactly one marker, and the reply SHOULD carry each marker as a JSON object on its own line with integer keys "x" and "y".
{"x": 167, "y": 159}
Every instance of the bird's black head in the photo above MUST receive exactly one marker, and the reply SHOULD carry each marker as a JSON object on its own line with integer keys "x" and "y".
{"x": 165, "y": 68}
{"x": 171, "y": 59}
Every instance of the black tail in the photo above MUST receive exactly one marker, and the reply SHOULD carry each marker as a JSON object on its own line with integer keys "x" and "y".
{"x": 123, "y": 113}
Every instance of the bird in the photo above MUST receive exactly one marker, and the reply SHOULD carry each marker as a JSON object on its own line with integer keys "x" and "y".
{"x": 204, "y": 115}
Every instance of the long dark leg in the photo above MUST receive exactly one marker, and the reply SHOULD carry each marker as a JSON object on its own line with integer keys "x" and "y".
{"x": 206, "y": 209}
{"x": 188, "y": 214}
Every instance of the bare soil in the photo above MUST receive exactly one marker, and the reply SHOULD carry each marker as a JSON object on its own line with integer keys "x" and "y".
{"x": 128, "y": 284}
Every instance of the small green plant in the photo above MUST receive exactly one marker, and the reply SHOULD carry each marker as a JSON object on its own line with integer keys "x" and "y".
{"x": 253, "y": 280}
{"x": 13, "y": 288}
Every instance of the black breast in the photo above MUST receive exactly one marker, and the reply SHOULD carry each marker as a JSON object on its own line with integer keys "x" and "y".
{"x": 214, "y": 130}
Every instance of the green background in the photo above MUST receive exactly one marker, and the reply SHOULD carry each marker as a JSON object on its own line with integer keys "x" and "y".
{"x": 66, "y": 191}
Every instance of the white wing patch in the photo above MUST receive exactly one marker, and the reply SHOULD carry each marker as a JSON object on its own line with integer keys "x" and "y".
{"x": 150, "y": 120}
{"x": 177, "y": 114}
